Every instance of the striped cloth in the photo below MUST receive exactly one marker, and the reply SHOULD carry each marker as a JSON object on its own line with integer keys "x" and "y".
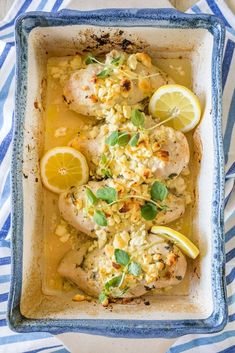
{"x": 223, "y": 342}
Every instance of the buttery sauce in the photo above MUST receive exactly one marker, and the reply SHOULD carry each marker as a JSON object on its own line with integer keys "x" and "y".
{"x": 61, "y": 125}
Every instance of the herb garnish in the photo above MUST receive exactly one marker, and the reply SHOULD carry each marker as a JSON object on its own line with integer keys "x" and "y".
{"x": 137, "y": 118}
{"x": 91, "y": 198}
{"x": 112, "y": 140}
{"x": 123, "y": 138}
{"x": 116, "y": 61}
{"x": 90, "y": 60}
{"x": 121, "y": 257}
{"x": 103, "y": 159}
{"x": 106, "y": 173}
{"x": 104, "y": 73}
{"x": 100, "y": 218}
{"x": 148, "y": 211}
{"x": 114, "y": 282}
{"x": 107, "y": 194}
{"x": 102, "y": 297}
{"x": 134, "y": 268}
{"x": 128, "y": 266}
{"x": 158, "y": 191}
{"x": 134, "y": 140}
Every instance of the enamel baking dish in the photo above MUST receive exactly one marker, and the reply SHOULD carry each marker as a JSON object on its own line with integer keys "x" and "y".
{"x": 202, "y": 309}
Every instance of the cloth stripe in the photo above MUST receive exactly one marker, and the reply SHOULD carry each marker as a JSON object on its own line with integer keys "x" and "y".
{"x": 231, "y": 276}
{"x": 216, "y": 10}
{"x": 229, "y": 128}
{"x": 44, "y": 349}
{"x": 228, "y": 350}
{"x": 228, "y": 55}
{"x": 202, "y": 341}
{"x": 4, "y": 54}
{"x": 23, "y": 9}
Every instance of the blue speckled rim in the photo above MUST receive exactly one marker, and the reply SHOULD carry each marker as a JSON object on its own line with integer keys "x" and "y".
{"x": 164, "y": 18}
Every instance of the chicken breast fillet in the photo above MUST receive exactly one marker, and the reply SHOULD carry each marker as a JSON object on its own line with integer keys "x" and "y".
{"x": 68, "y": 201}
{"x": 134, "y": 79}
{"x": 85, "y": 269}
{"x": 167, "y": 148}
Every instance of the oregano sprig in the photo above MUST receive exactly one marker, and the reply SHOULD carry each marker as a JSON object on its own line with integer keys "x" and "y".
{"x": 122, "y": 138}
{"x": 137, "y": 118}
{"x": 127, "y": 266}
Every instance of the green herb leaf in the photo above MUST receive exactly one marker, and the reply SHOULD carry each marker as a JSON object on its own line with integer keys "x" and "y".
{"x": 158, "y": 191}
{"x": 113, "y": 282}
{"x": 134, "y": 140}
{"x": 107, "y": 194}
{"x": 148, "y": 211}
{"x": 134, "y": 268}
{"x": 92, "y": 199}
{"x": 104, "y": 73}
{"x": 112, "y": 140}
{"x": 106, "y": 173}
{"x": 90, "y": 60}
{"x": 123, "y": 138}
{"x": 104, "y": 159}
{"x": 100, "y": 218}
{"x": 121, "y": 257}
{"x": 116, "y": 61}
{"x": 137, "y": 118}
{"x": 102, "y": 297}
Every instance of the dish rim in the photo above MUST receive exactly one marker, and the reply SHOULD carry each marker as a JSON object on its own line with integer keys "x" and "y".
{"x": 161, "y": 18}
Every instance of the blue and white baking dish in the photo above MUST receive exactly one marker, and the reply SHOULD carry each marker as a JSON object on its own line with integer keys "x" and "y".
{"x": 41, "y": 35}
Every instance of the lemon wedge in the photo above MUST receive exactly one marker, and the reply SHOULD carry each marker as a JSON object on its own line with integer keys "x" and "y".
{"x": 178, "y": 239}
{"x": 177, "y": 106}
{"x": 63, "y": 167}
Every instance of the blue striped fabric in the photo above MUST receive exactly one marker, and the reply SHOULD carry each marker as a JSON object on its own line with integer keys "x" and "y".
{"x": 222, "y": 342}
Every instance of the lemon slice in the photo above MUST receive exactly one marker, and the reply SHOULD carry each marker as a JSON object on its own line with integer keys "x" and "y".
{"x": 178, "y": 239}
{"x": 63, "y": 167}
{"x": 177, "y": 105}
